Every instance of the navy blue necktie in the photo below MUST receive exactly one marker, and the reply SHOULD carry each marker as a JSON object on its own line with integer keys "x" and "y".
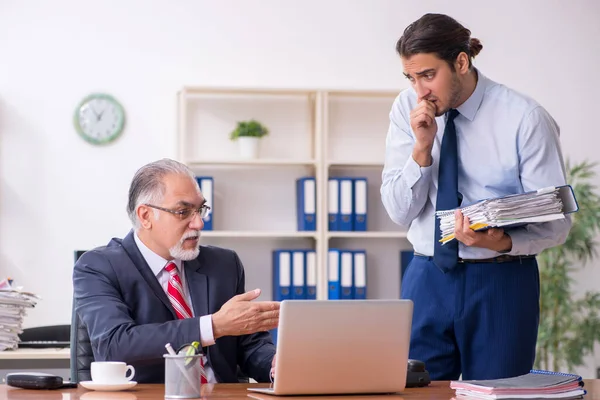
{"x": 446, "y": 256}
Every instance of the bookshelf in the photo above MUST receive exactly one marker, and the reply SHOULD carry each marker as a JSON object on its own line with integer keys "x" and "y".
{"x": 320, "y": 133}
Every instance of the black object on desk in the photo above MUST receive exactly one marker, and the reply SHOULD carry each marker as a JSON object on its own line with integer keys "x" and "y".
{"x": 37, "y": 380}
{"x": 416, "y": 374}
{"x": 42, "y": 337}
{"x": 43, "y": 344}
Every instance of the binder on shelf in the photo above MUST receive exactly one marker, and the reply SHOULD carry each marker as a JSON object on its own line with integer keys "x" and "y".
{"x": 310, "y": 259}
{"x": 334, "y": 291}
{"x": 360, "y": 204}
{"x": 282, "y": 275}
{"x": 273, "y": 333}
{"x": 333, "y": 207}
{"x": 298, "y": 275}
{"x": 346, "y": 275}
{"x": 306, "y": 198}
{"x": 360, "y": 274}
{"x": 346, "y": 204}
{"x": 206, "y": 187}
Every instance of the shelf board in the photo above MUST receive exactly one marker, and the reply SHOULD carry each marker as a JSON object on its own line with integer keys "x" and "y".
{"x": 350, "y": 163}
{"x": 261, "y": 162}
{"x": 260, "y": 234}
{"x": 367, "y": 235}
{"x": 201, "y": 92}
{"x": 385, "y": 93}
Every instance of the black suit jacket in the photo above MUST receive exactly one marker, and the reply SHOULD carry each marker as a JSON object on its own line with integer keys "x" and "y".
{"x": 129, "y": 317}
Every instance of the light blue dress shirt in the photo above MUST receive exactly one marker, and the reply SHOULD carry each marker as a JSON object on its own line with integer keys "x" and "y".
{"x": 507, "y": 144}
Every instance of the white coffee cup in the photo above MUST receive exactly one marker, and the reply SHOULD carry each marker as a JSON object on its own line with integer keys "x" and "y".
{"x": 111, "y": 372}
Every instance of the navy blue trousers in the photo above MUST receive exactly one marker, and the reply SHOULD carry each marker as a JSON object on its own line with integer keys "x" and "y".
{"x": 479, "y": 320}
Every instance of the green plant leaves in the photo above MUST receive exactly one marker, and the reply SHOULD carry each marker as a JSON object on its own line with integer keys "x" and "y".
{"x": 250, "y": 128}
{"x": 569, "y": 324}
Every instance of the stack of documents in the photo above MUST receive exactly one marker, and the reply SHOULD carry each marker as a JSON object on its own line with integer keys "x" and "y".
{"x": 13, "y": 305}
{"x": 534, "y": 385}
{"x": 542, "y": 205}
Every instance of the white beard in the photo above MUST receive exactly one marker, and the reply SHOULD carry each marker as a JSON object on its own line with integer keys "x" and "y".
{"x": 180, "y": 253}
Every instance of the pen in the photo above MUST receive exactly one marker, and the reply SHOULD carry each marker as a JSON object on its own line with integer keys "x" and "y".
{"x": 170, "y": 349}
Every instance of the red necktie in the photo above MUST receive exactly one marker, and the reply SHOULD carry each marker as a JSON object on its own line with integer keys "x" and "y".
{"x": 175, "y": 292}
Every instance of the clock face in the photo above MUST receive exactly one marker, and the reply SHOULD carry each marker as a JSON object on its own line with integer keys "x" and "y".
{"x": 99, "y": 119}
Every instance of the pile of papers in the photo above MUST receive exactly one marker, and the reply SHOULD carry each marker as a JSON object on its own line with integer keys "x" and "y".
{"x": 543, "y": 205}
{"x": 13, "y": 308}
{"x": 534, "y": 385}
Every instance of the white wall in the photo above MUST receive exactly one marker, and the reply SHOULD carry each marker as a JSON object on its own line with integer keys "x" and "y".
{"x": 59, "y": 194}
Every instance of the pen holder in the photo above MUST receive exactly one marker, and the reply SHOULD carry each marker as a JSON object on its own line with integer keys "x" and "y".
{"x": 182, "y": 376}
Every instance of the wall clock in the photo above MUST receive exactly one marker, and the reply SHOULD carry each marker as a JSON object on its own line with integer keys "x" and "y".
{"x": 99, "y": 118}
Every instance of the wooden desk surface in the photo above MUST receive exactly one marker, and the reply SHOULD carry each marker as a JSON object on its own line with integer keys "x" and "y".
{"x": 36, "y": 354}
{"x": 436, "y": 391}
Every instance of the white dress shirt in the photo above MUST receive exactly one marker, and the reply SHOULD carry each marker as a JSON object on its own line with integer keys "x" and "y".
{"x": 157, "y": 264}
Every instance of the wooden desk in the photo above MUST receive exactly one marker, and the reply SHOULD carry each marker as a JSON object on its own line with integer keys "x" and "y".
{"x": 436, "y": 391}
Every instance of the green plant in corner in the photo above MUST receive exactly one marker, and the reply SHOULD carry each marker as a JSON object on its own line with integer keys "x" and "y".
{"x": 250, "y": 128}
{"x": 569, "y": 323}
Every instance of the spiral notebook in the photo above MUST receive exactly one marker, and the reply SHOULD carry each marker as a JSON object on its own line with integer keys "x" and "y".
{"x": 537, "y": 384}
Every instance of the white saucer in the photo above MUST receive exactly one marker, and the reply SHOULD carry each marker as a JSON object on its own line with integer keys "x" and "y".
{"x": 108, "y": 387}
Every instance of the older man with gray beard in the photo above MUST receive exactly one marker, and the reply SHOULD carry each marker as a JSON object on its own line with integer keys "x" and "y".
{"x": 158, "y": 285}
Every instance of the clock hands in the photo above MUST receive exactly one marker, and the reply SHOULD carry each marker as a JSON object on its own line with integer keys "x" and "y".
{"x": 94, "y": 111}
{"x": 99, "y": 116}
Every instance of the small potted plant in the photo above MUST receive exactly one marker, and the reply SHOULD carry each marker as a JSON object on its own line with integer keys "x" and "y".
{"x": 248, "y": 134}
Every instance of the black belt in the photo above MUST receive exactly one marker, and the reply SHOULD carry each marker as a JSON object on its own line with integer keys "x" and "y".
{"x": 500, "y": 259}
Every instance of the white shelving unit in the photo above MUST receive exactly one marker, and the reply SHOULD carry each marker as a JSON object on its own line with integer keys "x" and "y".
{"x": 312, "y": 133}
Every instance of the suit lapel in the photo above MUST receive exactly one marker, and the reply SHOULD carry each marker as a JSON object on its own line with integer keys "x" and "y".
{"x": 140, "y": 263}
{"x": 198, "y": 287}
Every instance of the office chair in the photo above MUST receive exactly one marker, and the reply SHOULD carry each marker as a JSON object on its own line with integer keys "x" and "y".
{"x": 81, "y": 347}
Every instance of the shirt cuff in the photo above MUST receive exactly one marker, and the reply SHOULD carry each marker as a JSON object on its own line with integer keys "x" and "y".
{"x": 519, "y": 242}
{"x": 206, "y": 331}
{"x": 413, "y": 171}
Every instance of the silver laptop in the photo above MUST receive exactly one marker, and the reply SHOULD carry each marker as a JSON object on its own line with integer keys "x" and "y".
{"x": 341, "y": 347}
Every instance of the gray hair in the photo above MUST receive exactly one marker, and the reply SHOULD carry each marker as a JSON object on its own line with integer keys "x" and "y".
{"x": 147, "y": 186}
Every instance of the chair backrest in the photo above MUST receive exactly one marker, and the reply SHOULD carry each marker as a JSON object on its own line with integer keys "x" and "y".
{"x": 81, "y": 347}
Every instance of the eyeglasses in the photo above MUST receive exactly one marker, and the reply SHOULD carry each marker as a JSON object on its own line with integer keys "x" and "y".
{"x": 185, "y": 213}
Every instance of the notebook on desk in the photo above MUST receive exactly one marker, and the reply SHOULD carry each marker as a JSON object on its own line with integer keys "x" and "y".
{"x": 536, "y": 384}
{"x": 341, "y": 347}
